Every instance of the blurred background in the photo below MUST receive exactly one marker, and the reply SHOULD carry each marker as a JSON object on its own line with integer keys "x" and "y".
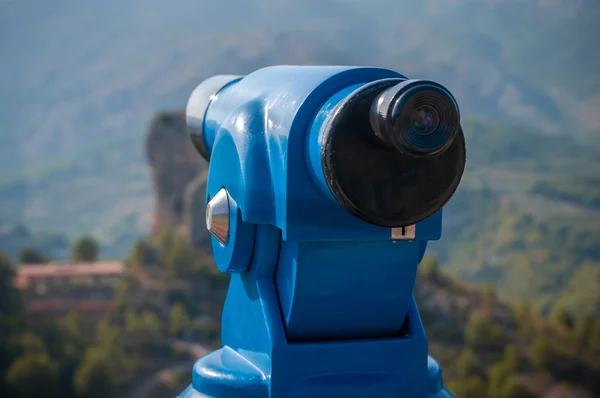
{"x": 107, "y": 283}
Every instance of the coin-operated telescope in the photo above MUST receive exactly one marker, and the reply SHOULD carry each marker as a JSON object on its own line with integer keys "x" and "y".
{"x": 325, "y": 185}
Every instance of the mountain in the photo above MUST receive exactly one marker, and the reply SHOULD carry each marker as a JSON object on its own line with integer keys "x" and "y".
{"x": 80, "y": 78}
{"x": 82, "y": 81}
{"x": 531, "y": 244}
{"x": 76, "y": 74}
{"x": 14, "y": 238}
{"x": 499, "y": 227}
{"x": 169, "y": 296}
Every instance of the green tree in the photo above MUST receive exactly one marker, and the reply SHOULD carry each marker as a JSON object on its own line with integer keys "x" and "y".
{"x": 204, "y": 267}
{"x": 470, "y": 387}
{"x": 94, "y": 377}
{"x": 9, "y": 320}
{"x": 586, "y": 334}
{"x": 73, "y": 350}
{"x": 179, "y": 320}
{"x": 32, "y": 344}
{"x": 9, "y": 350}
{"x": 142, "y": 253}
{"x": 73, "y": 325}
{"x": 594, "y": 338}
{"x": 498, "y": 374}
{"x": 562, "y": 317}
{"x": 429, "y": 267}
{"x": 165, "y": 239}
{"x": 33, "y": 375}
{"x": 125, "y": 291}
{"x": 150, "y": 325}
{"x": 9, "y": 295}
{"x": 543, "y": 353}
{"x": 108, "y": 335}
{"x": 29, "y": 255}
{"x": 523, "y": 310}
{"x": 109, "y": 343}
{"x": 178, "y": 258}
{"x": 502, "y": 373}
{"x": 7, "y": 271}
{"x": 513, "y": 388}
{"x": 510, "y": 358}
{"x": 131, "y": 321}
{"x": 524, "y": 318}
{"x": 584, "y": 327}
{"x": 489, "y": 294}
{"x": 483, "y": 331}
{"x": 467, "y": 363}
{"x": 85, "y": 250}
{"x": 147, "y": 326}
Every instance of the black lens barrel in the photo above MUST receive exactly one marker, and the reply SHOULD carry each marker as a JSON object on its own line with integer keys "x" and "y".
{"x": 386, "y": 160}
{"x": 417, "y": 117}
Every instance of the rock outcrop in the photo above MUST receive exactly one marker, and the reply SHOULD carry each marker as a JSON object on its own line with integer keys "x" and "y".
{"x": 178, "y": 175}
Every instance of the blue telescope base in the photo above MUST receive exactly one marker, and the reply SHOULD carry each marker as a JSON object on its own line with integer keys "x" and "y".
{"x": 227, "y": 374}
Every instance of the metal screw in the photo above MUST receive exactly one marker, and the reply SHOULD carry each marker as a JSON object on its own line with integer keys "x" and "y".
{"x": 217, "y": 216}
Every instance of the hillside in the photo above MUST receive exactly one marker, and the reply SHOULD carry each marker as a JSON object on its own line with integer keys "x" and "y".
{"x": 531, "y": 243}
{"x": 489, "y": 349}
{"x": 15, "y": 237}
{"x": 483, "y": 343}
{"x": 499, "y": 227}
{"x": 101, "y": 191}
{"x": 551, "y": 262}
{"x": 82, "y": 82}
{"x": 77, "y": 75}
{"x": 169, "y": 294}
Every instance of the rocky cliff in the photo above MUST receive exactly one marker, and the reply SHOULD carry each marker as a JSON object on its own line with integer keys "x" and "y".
{"x": 178, "y": 175}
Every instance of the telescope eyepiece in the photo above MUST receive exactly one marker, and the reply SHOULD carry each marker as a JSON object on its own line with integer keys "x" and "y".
{"x": 416, "y": 117}
{"x": 392, "y": 152}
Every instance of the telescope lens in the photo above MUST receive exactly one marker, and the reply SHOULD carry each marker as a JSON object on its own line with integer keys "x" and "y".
{"x": 410, "y": 148}
{"x": 425, "y": 120}
{"x": 416, "y": 117}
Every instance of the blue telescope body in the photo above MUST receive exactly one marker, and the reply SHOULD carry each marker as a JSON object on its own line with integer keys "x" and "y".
{"x": 325, "y": 184}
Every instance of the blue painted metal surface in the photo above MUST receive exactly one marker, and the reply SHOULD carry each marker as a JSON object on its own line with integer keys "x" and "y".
{"x": 320, "y": 302}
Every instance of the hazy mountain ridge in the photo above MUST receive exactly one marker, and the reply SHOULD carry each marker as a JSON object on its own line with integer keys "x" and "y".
{"x": 79, "y": 73}
{"x": 550, "y": 262}
{"x": 105, "y": 190}
{"x": 105, "y": 193}
{"x": 14, "y": 238}
{"x": 530, "y": 245}
{"x": 83, "y": 80}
